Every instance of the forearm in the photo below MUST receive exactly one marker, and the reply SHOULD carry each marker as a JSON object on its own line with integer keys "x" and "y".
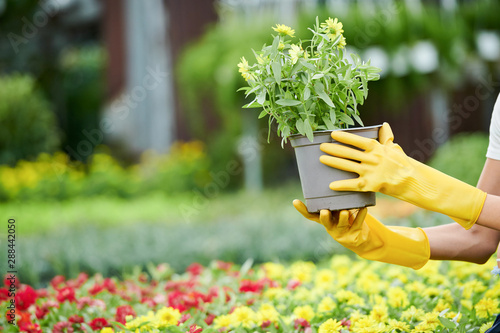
{"x": 490, "y": 214}
{"x": 452, "y": 242}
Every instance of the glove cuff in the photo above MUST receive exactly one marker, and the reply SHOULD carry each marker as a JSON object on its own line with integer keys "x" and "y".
{"x": 408, "y": 247}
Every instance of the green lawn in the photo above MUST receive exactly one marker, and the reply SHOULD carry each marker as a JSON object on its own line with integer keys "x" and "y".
{"x": 43, "y": 217}
{"x": 112, "y": 236}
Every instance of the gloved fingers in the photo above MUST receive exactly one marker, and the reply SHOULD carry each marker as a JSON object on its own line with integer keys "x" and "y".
{"x": 352, "y": 139}
{"x": 340, "y": 163}
{"x": 385, "y": 134}
{"x": 345, "y": 152}
{"x": 326, "y": 218}
{"x": 302, "y": 209}
{"x": 344, "y": 222}
{"x": 358, "y": 221}
{"x": 354, "y": 184}
{"x": 360, "y": 217}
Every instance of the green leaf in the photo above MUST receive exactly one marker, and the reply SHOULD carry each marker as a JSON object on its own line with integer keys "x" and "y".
{"x": 345, "y": 118}
{"x": 358, "y": 119}
{"x": 254, "y": 104}
{"x": 308, "y": 129}
{"x": 246, "y": 266}
{"x": 318, "y": 76}
{"x": 355, "y": 58}
{"x": 364, "y": 83}
{"x": 276, "y": 66}
{"x": 328, "y": 123}
{"x": 261, "y": 98}
{"x": 299, "y": 125}
{"x": 343, "y": 69}
{"x": 254, "y": 89}
{"x": 288, "y": 102}
{"x": 262, "y": 114}
{"x": 447, "y": 323}
{"x": 307, "y": 64}
{"x": 322, "y": 94}
{"x": 275, "y": 45}
{"x": 333, "y": 116}
{"x": 307, "y": 93}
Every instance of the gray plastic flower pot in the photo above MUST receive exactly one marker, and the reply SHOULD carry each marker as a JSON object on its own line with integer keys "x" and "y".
{"x": 316, "y": 177}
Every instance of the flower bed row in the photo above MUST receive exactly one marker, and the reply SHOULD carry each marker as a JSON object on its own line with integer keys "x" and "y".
{"x": 341, "y": 295}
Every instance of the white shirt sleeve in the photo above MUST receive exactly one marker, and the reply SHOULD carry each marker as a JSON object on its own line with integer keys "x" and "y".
{"x": 494, "y": 145}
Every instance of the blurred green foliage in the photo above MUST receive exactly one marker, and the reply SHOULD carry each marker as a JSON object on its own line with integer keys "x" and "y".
{"x": 208, "y": 77}
{"x": 56, "y": 177}
{"x": 83, "y": 86}
{"x": 462, "y": 157}
{"x": 27, "y": 121}
{"x": 231, "y": 227}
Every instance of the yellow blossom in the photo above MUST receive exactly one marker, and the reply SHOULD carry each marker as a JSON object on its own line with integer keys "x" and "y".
{"x": 325, "y": 279}
{"x": 223, "y": 321}
{"x": 243, "y": 316}
{"x": 302, "y": 271}
{"x": 295, "y": 52}
{"x": 397, "y": 273}
{"x": 327, "y": 304}
{"x": 397, "y": 297}
{"x": 431, "y": 291}
{"x": 412, "y": 314}
{"x": 466, "y": 303}
{"x": 342, "y": 43}
{"x": 273, "y": 271}
{"x": 430, "y": 322}
{"x": 485, "y": 327}
{"x": 305, "y": 312}
{"x": 330, "y": 326}
{"x": 473, "y": 286}
{"x": 398, "y": 326}
{"x": 453, "y": 315}
{"x": 276, "y": 293}
{"x": 441, "y": 306}
{"x": 379, "y": 313}
{"x": 347, "y": 296}
{"x": 369, "y": 282}
{"x": 145, "y": 322}
{"x": 302, "y": 294}
{"x": 493, "y": 292}
{"x": 167, "y": 316}
{"x": 284, "y": 30}
{"x": 367, "y": 324}
{"x": 267, "y": 312}
{"x": 333, "y": 28}
{"x": 244, "y": 69}
{"x": 486, "y": 307}
{"x": 107, "y": 330}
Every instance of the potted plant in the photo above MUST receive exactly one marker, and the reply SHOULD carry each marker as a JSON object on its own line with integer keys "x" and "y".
{"x": 308, "y": 89}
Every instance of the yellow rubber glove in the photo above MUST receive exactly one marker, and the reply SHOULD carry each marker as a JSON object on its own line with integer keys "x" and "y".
{"x": 366, "y": 236}
{"x": 384, "y": 167}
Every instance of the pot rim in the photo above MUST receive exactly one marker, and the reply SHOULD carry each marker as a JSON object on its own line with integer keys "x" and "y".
{"x": 339, "y": 129}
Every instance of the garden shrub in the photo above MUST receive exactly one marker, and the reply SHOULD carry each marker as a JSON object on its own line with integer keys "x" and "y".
{"x": 56, "y": 177}
{"x": 27, "y": 121}
{"x": 462, "y": 157}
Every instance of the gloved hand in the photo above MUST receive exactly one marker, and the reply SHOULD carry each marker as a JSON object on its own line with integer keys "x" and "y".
{"x": 384, "y": 167}
{"x": 370, "y": 239}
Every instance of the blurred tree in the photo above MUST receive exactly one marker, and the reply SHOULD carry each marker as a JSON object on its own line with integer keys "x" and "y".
{"x": 33, "y": 38}
{"x": 27, "y": 122}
